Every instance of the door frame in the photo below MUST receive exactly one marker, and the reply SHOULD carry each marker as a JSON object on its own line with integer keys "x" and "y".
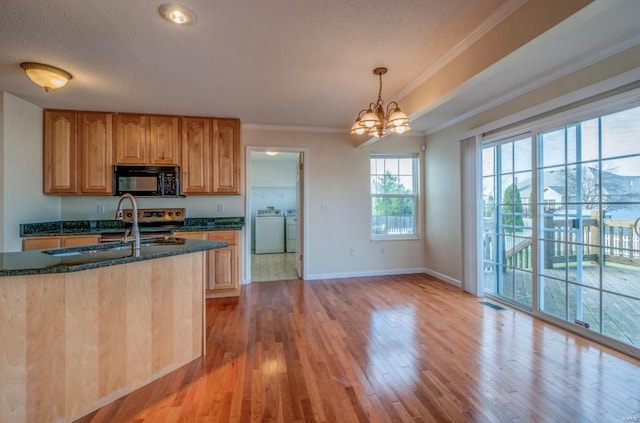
{"x": 302, "y": 216}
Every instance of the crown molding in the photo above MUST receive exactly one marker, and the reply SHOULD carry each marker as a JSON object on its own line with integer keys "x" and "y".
{"x": 498, "y": 16}
{"x": 287, "y": 128}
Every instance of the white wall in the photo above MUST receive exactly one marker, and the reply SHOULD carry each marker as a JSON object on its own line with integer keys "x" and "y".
{"x": 22, "y": 197}
{"x": 338, "y": 174}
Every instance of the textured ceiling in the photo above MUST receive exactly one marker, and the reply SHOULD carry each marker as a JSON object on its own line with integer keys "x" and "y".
{"x": 294, "y": 63}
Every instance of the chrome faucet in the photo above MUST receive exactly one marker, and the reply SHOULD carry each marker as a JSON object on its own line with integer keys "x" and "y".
{"x": 135, "y": 232}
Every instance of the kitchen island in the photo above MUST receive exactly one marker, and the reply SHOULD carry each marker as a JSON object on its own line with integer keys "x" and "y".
{"x": 81, "y": 327}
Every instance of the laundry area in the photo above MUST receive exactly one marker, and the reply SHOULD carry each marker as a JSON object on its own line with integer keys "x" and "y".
{"x": 274, "y": 214}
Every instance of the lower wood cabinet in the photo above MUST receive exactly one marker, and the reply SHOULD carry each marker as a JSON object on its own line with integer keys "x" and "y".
{"x": 222, "y": 265}
{"x": 48, "y": 242}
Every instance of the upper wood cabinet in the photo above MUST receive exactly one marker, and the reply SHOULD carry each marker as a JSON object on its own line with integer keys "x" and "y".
{"x": 60, "y": 152}
{"x": 146, "y": 139}
{"x": 131, "y": 138}
{"x": 80, "y": 149}
{"x": 77, "y": 152}
{"x": 164, "y": 140}
{"x": 210, "y": 156}
{"x": 96, "y": 153}
{"x": 226, "y": 156}
{"x": 195, "y": 177}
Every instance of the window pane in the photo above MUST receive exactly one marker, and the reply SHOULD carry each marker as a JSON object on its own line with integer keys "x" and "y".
{"x": 583, "y": 184}
{"x": 590, "y": 133}
{"x": 554, "y": 297}
{"x": 522, "y": 155}
{"x": 552, "y": 148}
{"x": 620, "y": 133}
{"x": 488, "y": 155}
{"x": 506, "y": 158}
{"x": 621, "y": 180}
{"x": 621, "y": 318}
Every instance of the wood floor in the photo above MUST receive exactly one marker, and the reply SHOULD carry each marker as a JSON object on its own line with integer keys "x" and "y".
{"x": 395, "y": 348}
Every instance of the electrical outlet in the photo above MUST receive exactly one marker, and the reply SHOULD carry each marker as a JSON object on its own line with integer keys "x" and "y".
{"x": 352, "y": 252}
{"x": 381, "y": 250}
{"x": 220, "y": 208}
{"x": 324, "y": 206}
{"x": 100, "y": 209}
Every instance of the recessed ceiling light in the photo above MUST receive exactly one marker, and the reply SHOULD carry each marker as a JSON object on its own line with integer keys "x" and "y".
{"x": 177, "y": 14}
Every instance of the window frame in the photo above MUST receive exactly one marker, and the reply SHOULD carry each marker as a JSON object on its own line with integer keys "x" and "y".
{"x": 415, "y": 196}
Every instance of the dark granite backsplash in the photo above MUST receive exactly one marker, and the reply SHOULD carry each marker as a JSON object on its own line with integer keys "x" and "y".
{"x": 105, "y": 225}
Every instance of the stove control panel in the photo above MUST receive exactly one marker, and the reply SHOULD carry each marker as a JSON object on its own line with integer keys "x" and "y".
{"x": 155, "y": 215}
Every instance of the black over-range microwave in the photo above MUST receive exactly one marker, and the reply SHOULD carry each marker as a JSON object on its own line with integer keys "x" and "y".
{"x": 147, "y": 181}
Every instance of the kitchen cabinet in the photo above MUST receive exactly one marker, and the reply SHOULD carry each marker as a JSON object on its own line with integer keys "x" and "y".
{"x": 195, "y": 177}
{"x": 222, "y": 265}
{"x": 77, "y": 152}
{"x": 210, "y": 156}
{"x": 96, "y": 153}
{"x": 49, "y": 242}
{"x": 146, "y": 139}
{"x": 60, "y": 152}
{"x": 226, "y": 156}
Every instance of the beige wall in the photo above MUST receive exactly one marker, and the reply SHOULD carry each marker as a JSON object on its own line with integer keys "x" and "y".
{"x": 443, "y": 245}
{"x": 337, "y": 174}
{"x": 22, "y": 198}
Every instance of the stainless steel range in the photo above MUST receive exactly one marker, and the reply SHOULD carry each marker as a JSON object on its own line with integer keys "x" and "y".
{"x": 153, "y": 223}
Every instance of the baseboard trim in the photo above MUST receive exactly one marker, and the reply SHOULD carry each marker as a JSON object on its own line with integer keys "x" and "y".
{"x": 360, "y": 274}
{"x": 443, "y": 277}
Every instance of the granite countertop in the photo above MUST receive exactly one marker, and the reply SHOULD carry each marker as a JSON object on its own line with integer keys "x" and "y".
{"x": 99, "y": 227}
{"x": 63, "y": 260}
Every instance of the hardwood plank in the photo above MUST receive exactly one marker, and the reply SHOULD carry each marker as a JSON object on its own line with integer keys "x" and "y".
{"x": 383, "y": 349}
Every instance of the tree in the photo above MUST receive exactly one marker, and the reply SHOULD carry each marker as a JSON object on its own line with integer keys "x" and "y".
{"x": 391, "y": 206}
{"x": 512, "y": 209}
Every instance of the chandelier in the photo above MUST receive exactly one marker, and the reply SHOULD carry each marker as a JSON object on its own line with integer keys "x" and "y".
{"x": 375, "y": 122}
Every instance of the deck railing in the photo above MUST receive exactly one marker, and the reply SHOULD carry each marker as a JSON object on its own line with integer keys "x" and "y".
{"x": 566, "y": 242}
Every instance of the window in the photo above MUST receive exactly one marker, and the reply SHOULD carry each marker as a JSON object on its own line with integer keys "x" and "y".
{"x": 394, "y": 196}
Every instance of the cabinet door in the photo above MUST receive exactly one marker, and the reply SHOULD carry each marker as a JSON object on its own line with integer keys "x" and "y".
{"x": 163, "y": 140}
{"x": 96, "y": 153}
{"x": 131, "y": 138}
{"x": 223, "y": 266}
{"x": 79, "y": 240}
{"x": 226, "y": 156}
{"x": 223, "y": 269}
{"x": 196, "y": 156}
{"x": 41, "y": 243}
{"x": 60, "y": 152}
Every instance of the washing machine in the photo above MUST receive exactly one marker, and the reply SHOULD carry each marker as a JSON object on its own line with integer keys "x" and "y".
{"x": 269, "y": 231}
{"x": 291, "y": 230}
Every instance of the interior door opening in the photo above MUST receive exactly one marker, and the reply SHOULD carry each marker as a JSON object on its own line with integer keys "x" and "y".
{"x": 274, "y": 213}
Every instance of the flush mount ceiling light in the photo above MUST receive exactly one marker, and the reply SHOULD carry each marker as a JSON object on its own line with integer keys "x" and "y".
{"x": 375, "y": 122}
{"x": 177, "y": 14}
{"x": 48, "y": 77}
{"x": 272, "y": 153}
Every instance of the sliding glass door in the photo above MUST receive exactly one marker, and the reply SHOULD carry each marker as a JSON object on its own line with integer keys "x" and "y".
{"x": 507, "y": 223}
{"x": 589, "y": 203}
{"x": 568, "y": 231}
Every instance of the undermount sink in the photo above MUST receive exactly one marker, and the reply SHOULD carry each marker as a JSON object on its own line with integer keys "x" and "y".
{"x": 107, "y": 249}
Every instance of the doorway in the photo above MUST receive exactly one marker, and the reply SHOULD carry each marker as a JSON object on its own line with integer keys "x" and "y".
{"x": 274, "y": 214}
